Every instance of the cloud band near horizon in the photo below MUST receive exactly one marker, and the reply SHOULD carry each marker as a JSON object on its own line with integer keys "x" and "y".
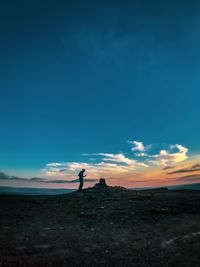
{"x": 142, "y": 164}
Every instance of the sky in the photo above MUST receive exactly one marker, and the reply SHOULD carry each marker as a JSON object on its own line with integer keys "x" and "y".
{"x": 109, "y": 86}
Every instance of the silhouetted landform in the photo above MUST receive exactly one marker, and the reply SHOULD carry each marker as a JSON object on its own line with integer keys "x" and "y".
{"x": 194, "y": 186}
{"x": 6, "y": 190}
{"x": 101, "y": 226}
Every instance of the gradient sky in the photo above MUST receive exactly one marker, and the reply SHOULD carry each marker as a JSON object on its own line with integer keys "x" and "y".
{"x": 81, "y": 81}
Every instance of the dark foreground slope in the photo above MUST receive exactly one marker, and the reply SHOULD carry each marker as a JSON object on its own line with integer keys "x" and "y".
{"x": 101, "y": 226}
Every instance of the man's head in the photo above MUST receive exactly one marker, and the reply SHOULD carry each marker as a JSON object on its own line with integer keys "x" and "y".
{"x": 83, "y": 170}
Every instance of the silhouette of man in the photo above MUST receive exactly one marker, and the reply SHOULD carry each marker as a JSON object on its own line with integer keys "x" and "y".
{"x": 81, "y": 175}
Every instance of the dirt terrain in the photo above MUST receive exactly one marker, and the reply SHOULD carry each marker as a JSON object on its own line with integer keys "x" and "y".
{"x": 101, "y": 226}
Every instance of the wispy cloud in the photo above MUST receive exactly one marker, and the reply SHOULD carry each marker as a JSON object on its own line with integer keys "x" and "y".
{"x": 4, "y": 176}
{"x": 54, "y": 164}
{"x": 168, "y": 167}
{"x": 189, "y": 178}
{"x": 142, "y": 154}
{"x": 137, "y": 146}
{"x": 193, "y": 168}
{"x": 139, "y": 149}
{"x": 120, "y": 158}
{"x": 42, "y": 180}
{"x": 176, "y": 153}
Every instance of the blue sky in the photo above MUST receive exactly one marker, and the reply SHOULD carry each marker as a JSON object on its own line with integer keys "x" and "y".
{"x": 87, "y": 77}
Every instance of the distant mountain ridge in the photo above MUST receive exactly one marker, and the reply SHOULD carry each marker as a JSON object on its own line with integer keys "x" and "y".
{"x": 6, "y": 190}
{"x": 195, "y": 186}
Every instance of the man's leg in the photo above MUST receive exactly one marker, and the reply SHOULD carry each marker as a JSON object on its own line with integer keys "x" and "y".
{"x": 81, "y": 185}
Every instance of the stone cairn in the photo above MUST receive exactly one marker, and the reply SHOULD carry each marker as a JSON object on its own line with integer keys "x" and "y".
{"x": 101, "y": 183}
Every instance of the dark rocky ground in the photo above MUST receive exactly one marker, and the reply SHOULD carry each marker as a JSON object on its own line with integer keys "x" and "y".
{"x": 101, "y": 226}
